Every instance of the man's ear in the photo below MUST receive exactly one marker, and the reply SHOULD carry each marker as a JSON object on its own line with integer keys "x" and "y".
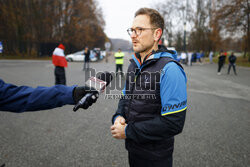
{"x": 157, "y": 34}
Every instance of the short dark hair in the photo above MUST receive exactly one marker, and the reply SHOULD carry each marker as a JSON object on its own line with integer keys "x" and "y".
{"x": 155, "y": 17}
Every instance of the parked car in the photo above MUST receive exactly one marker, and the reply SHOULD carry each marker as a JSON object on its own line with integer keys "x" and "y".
{"x": 79, "y": 56}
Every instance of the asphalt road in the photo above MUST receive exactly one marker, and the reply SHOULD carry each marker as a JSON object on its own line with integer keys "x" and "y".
{"x": 216, "y": 131}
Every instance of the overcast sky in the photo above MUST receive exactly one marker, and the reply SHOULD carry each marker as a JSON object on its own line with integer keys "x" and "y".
{"x": 118, "y": 15}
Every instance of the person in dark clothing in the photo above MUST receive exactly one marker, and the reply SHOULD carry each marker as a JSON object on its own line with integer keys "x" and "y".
{"x": 232, "y": 59}
{"x": 153, "y": 107}
{"x": 60, "y": 75}
{"x": 225, "y": 57}
{"x": 221, "y": 61}
{"x": 60, "y": 62}
{"x": 198, "y": 56}
{"x": 23, "y": 98}
{"x": 194, "y": 57}
{"x": 86, "y": 58}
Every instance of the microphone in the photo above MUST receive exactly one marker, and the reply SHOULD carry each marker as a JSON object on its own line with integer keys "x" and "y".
{"x": 99, "y": 84}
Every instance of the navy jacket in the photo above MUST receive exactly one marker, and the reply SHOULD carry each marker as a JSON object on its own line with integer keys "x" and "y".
{"x": 154, "y": 104}
{"x": 23, "y": 98}
{"x": 232, "y": 59}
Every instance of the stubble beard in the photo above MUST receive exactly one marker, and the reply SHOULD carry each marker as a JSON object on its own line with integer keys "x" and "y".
{"x": 141, "y": 49}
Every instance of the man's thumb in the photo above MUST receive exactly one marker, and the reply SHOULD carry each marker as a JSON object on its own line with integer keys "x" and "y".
{"x": 122, "y": 121}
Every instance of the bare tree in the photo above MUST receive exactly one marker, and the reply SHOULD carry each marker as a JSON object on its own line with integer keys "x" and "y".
{"x": 234, "y": 16}
{"x": 177, "y": 14}
{"x": 26, "y": 23}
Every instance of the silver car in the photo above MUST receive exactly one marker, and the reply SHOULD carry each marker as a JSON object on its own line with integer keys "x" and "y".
{"x": 79, "y": 56}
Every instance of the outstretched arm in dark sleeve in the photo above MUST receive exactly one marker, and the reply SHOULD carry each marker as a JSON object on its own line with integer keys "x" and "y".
{"x": 23, "y": 98}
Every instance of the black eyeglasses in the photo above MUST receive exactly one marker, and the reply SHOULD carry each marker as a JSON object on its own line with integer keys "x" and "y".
{"x": 137, "y": 30}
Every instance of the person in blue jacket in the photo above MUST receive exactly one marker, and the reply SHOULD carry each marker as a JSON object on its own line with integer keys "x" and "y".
{"x": 154, "y": 103}
{"x": 23, "y": 98}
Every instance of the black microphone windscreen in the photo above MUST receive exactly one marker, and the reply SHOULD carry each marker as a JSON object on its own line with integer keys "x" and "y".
{"x": 105, "y": 76}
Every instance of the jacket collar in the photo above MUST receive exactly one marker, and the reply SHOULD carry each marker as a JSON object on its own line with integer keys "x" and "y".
{"x": 154, "y": 55}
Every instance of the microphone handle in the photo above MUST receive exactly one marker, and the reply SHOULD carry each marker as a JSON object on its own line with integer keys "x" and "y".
{"x": 82, "y": 101}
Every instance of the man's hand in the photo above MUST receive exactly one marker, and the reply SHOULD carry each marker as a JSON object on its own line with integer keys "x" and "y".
{"x": 118, "y": 129}
{"x": 120, "y": 120}
{"x": 80, "y": 92}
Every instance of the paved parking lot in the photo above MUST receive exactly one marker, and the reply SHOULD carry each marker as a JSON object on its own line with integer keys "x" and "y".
{"x": 216, "y": 131}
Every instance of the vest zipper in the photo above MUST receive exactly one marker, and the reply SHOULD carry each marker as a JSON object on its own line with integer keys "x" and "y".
{"x": 132, "y": 90}
{"x": 136, "y": 75}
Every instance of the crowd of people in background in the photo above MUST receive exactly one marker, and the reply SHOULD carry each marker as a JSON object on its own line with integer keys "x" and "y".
{"x": 194, "y": 57}
{"x": 184, "y": 58}
{"x": 59, "y": 61}
{"x": 188, "y": 58}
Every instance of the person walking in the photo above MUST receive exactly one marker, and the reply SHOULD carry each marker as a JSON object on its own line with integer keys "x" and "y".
{"x": 60, "y": 62}
{"x": 183, "y": 57}
{"x": 232, "y": 59}
{"x": 86, "y": 58}
{"x": 189, "y": 59}
{"x": 198, "y": 56}
{"x": 202, "y": 55}
{"x": 194, "y": 57}
{"x": 119, "y": 56}
{"x": 221, "y": 60}
{"x": 153, "y": 108}
{"x": 211, "y": 54}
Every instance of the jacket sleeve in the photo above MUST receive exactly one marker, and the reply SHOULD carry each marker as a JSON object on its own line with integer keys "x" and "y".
{"x": 174, "y": 104}
{"x": 23, "y": 98}
{"x": 122, "y": 105}
{"x": 123, "y": 102}
{"x": 120, "y": 111}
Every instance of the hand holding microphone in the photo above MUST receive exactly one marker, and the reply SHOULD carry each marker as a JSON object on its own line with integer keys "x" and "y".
{"x": 86, "y": 95}
{"x": 82, "y": 91}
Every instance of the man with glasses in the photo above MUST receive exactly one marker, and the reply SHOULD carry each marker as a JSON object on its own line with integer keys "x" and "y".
{"x": 154, "y": 106}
